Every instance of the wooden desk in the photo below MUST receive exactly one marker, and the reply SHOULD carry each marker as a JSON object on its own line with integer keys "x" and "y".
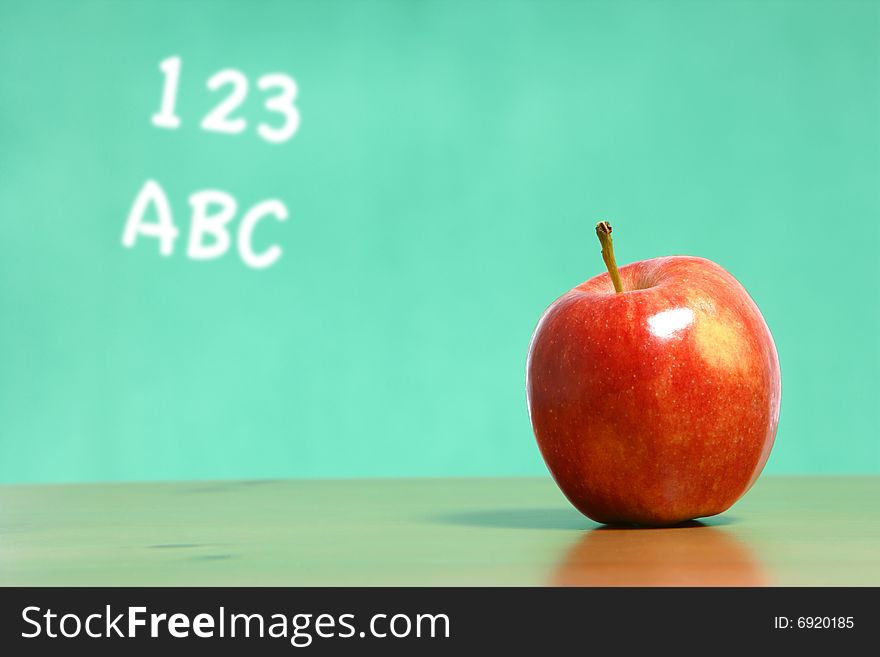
{"x": 786, "y": 531}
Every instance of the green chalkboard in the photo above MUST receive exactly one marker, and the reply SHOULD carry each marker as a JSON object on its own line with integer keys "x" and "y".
{"x": 312, "y": 239}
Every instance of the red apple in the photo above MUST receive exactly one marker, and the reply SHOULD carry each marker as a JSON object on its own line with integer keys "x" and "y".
{"x": 657, "y": 403}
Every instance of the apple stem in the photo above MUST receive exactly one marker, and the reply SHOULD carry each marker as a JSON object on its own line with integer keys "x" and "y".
{"x": 603, "y": 231}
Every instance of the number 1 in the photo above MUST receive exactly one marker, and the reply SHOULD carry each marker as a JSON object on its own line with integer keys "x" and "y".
{"x": 166, "y": 118}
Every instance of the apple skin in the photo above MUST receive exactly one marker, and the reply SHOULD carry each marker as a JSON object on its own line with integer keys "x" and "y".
{"x": 659, "y": 404}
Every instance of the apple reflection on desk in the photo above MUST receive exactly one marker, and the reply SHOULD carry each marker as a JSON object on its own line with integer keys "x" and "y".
{"x": 692, "y": 554}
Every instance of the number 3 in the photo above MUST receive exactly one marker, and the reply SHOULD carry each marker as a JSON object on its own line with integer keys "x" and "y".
{"x": 281, "y": 103}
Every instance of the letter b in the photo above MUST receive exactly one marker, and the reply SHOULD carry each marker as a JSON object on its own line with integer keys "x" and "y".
{"x": 213, "y": 224}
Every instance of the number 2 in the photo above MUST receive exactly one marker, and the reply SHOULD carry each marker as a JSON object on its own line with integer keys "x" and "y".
{"x": 281, "y": 103}
{"x": 217, "y": 120}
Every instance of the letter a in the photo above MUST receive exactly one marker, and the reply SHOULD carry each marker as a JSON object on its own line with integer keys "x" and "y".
{"x": 164, "y": 228}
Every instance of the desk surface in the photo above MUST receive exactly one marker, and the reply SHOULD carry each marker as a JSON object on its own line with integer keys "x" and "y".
{"x": 786, "y": 531}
